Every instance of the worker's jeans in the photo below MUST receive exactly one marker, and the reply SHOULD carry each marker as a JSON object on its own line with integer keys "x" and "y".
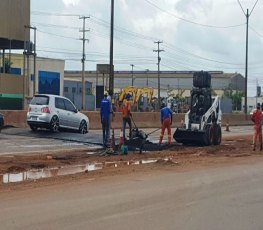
{"x": 166, "y": 125}
{"x": 105, "y": 130}
{"x": 124, "y": 121}
{"x": 257, "y": 135}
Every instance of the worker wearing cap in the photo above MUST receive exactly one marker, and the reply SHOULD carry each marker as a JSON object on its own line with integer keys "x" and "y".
{"x": 166, "y": 121}
{"x": 257, "y": 119}
{"x": 126, "y": 114}
{"x": 105, "y": 111}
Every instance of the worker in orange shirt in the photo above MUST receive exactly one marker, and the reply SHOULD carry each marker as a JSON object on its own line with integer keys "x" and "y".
{"x": 126, "y": 114}
{"x": 257, "y": 119}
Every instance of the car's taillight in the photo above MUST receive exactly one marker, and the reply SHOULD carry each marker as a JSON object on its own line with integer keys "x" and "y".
{"x": 45, "y": 110}
{"x": 29, "y": 109}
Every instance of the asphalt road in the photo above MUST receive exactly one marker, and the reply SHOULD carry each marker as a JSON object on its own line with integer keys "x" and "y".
{"x": 24, "y": 141}
{"x": 215, "y": 198}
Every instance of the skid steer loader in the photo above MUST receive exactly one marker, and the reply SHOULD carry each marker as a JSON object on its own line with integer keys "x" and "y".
{"x": 202, "y": 124}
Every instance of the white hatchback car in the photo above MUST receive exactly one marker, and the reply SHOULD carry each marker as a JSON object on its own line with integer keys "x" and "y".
{"x": 55, "y": 112}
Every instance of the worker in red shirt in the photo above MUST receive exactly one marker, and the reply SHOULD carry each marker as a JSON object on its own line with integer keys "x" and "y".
{"x": 257, "y": 119}
{"x": 166, "y": 121}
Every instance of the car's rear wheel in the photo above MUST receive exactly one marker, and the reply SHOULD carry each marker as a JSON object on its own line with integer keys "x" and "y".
{"x": 54, "y": 124}
{"x": 33, "y": 128}
{"x": 83, "y": 128}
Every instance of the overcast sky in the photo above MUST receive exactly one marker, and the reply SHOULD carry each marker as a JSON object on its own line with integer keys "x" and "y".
{"x": 195, "y": 34}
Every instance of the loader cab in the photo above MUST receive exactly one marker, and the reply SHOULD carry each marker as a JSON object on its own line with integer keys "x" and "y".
{"x": 201, "y": 101}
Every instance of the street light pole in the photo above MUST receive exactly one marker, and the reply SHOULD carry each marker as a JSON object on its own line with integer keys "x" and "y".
{"x": 147, "y": 81}
{"x": 111, "y": 77}
{"x": 132, "y": 74}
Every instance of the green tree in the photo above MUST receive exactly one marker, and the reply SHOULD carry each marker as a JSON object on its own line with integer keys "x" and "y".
{"x": 8, "y": 65}
{"x": 235, "y": 96}
{"x": 237, "y": 99}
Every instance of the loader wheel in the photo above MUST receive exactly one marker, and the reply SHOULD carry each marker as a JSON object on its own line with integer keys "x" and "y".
{"x": 209, "y": 137}
{"x": 217, "y": 135}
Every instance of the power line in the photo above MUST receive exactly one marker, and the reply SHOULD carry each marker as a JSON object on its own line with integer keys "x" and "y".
{"x": 192, "y": 22}
{"x": 56, "y": 26}
{"x": 260, "y": 35}
{"x": 61, "y": 36}
{"x": 139, "y": 46}
{"x": 42, "y": 13}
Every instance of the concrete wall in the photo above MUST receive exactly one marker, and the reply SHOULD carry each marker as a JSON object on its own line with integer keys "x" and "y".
{"x": 17, "y": 14}
{"x": 42, "y": 64}
{"x": 142, "y": 120}
{"x": 11, "y": 84}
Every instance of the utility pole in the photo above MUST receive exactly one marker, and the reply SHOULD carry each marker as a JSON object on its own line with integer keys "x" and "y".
{"x": 257, "y": 90}
{"x": 159, "y": 59}
{"x": 247, "y": 18}
{"x": 132, "y": 74}
{"x": 35, "y": 54}
{"x": 29, "y": 52}
{"x": 111, "y": 78}
{"x": 83, "y": 107}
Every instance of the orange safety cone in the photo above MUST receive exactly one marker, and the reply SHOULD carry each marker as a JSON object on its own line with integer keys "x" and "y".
{"x": 121, "y": 140}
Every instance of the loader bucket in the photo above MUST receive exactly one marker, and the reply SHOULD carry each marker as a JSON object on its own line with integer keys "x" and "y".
{"x": 189, "y": 137}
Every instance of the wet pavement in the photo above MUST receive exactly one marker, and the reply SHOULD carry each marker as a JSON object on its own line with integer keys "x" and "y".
{"x": 24, "y": 141}
{"x": 17, "y": 141}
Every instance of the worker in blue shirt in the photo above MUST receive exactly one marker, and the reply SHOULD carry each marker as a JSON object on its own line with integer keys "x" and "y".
{"x": 105, "y": 110}
{"x": 166, "y": 121}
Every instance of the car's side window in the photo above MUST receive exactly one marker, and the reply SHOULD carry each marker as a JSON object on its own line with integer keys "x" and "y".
{"x": 69, "y": 105}
{"x": 59, "y": 103}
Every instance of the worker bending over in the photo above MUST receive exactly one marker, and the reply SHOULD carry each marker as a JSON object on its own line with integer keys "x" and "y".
{"x": 166, "y": 121}
{"x": 257, "y": 119}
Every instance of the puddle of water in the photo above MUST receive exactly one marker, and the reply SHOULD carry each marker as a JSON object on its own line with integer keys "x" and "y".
{"x": 149, "y": 161}
{"x": 90, "y": 153}
{"x": 35, "y": 174}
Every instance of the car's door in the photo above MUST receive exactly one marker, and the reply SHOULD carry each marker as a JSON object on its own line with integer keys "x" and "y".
{"x": 61, "y": 111}
{"x": 72, "y": 114}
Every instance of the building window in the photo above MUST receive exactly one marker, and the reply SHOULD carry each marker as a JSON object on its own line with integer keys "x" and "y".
{"x": 80, "y": 90}
{"x": 73, "y": 89}
{"x": 66, "y": 89}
